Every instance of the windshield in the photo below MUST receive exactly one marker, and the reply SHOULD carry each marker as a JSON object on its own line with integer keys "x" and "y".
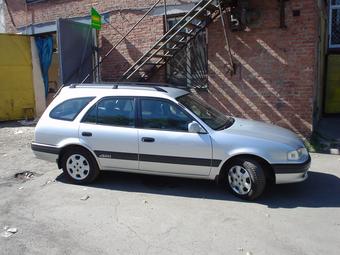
{"x": 209, "y": 115}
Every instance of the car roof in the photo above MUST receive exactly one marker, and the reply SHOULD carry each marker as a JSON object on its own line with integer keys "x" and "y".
{"x": 124, "y": 89}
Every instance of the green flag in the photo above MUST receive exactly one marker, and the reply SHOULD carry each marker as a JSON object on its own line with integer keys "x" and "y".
{"x": 96, "y": 19}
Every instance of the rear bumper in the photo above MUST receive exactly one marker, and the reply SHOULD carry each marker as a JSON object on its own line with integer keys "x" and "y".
{"x": 291, "y": 173}
{"x": 45, "y": 152}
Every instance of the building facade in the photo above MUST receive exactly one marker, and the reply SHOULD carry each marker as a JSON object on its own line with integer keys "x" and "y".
{"x": 278, "y": 56}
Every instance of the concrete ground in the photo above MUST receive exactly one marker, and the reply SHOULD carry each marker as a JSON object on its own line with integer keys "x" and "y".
{"x": 329, "y": 128}
{"x": 135, "y": 214}
{"x": 326, "y": 137}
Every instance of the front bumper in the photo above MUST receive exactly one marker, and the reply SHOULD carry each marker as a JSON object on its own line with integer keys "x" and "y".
{"x": 291, "y": 173}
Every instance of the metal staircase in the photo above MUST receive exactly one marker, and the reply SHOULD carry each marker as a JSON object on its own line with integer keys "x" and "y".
{"x": 177, "y": 38}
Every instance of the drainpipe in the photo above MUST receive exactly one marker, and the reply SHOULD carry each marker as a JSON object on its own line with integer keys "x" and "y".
{"x": 165, "y": 17}
{"x": 283, "y": 14}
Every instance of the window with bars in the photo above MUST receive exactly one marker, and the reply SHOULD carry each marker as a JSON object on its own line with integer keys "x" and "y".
{"x": 189, "y": 67}
{"x": 334, "y": 24}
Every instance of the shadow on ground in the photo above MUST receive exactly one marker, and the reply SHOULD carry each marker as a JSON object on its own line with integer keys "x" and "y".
{"x": 319, "y": 190}
{"x": 16, "y": 124}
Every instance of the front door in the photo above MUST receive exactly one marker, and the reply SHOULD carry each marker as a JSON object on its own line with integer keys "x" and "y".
{"x": 109, "y": 130}
{"x": 166, "y": 146}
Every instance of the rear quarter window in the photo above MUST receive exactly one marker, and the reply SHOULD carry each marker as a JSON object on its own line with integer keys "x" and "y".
{"x": 69, "y": 109}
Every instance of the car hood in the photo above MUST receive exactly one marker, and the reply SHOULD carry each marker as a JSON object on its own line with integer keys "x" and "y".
{"x": 261, "y": 130}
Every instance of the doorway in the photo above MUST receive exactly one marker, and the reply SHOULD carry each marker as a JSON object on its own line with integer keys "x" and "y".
{"x": 72, "y": 57}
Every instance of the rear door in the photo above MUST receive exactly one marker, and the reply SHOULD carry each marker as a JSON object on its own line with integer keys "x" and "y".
{"x": 109, "y": 130}
{"x": 76, "y": 51}
{"x": 166, "y": 146}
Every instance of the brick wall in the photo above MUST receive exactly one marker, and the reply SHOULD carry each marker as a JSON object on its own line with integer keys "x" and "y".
{"x": 275, "y": 68}
{"x": 51, "y": 10}
{"x": 133, "y": 47}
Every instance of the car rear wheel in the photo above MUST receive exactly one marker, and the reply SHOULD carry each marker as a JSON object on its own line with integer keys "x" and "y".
{"x": 245, "y": 178}
{"x": 79, "y": 166}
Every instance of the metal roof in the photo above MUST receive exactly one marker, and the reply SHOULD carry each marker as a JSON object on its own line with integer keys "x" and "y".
{"x": 34, "y": 1}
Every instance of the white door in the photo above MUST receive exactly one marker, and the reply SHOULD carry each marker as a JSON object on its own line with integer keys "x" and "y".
{"x": 109, "y": 130}
{"x": 166, "y": 146}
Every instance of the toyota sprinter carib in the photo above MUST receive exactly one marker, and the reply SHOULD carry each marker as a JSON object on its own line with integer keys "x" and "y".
{"x": 150, "y": 129}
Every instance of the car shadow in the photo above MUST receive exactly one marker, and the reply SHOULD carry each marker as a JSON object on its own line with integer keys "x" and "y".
{"x": 319, "y": 190}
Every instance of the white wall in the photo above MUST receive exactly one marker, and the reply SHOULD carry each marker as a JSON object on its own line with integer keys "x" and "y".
{"x": 38, "y": 83}
{"x": 2, "y": 17}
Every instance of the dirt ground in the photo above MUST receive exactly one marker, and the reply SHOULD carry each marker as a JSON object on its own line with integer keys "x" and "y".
{"x": 135, "y": 214}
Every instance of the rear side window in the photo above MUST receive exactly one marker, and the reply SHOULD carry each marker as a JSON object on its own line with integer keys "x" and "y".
{"x": 69, "y": 109}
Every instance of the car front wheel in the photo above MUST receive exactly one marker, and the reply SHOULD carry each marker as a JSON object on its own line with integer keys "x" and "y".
{"x": 79, "y": 166}
{"x": 245, "y": 178}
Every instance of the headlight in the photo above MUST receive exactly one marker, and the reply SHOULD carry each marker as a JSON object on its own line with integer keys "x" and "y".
{"x": 298, "y": 154}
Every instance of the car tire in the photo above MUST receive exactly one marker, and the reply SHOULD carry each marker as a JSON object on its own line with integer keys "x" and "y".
{"x": 79, "y": 166}
{"x": 245, "y": 178}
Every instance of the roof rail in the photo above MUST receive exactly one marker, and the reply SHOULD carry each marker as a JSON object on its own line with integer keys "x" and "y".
{"x": 122, "y": 85}
{"x": 93, "y": 85}
{"x": 115, "y": 85}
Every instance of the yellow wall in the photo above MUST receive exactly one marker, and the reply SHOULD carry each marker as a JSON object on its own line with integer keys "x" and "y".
{"x": 16, "y": 82}
{"x": 332, "y": 99}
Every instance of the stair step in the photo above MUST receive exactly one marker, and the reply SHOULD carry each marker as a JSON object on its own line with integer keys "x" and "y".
{"x": 193, "y": 26}
{"x": 182, "y": 34}
{"x": 165, "y": 47}
{"x": 201, "y": 16}
{"x": 153, "y": 64}
{"x": 163, "y": 56}
{"x": 173, "y": 40}
{"x": 212, "y": 8}
{"x": 176, "y": 41}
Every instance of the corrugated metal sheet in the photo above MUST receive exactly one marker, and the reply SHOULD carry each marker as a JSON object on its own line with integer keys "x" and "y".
{"x": 332, "y": 100}
{"x": 16, "y": 81}
{"x": 75, "y": 46}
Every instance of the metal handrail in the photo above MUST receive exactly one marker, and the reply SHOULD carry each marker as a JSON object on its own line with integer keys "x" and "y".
{"x": 122, "y": 39}
{"x": 168, "y": 33}
{"x": 182, "y": 46}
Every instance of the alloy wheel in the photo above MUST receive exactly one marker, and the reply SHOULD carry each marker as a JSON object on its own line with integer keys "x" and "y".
{"x": 239, "y": 180}
{"x": 77, "y": 166}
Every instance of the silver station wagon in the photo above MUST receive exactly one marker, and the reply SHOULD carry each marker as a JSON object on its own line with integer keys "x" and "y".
{"x": 163, "y": 130}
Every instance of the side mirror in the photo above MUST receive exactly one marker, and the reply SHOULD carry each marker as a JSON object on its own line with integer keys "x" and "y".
{"x": 194, "y": 127}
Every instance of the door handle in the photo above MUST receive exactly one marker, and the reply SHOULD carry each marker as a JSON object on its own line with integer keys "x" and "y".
{"x": 86, "y": 134}
{"x": 148, "y": 139}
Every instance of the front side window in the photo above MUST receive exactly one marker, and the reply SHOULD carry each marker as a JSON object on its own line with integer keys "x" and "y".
{"x": 113, "y": 111}
{"x": 160, "y": 114}
{"x": 69, "y": 109}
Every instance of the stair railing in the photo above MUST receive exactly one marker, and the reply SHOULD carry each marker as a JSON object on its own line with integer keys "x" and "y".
{"x": 122, "y": 39}
{"x": 168, "y": 33}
